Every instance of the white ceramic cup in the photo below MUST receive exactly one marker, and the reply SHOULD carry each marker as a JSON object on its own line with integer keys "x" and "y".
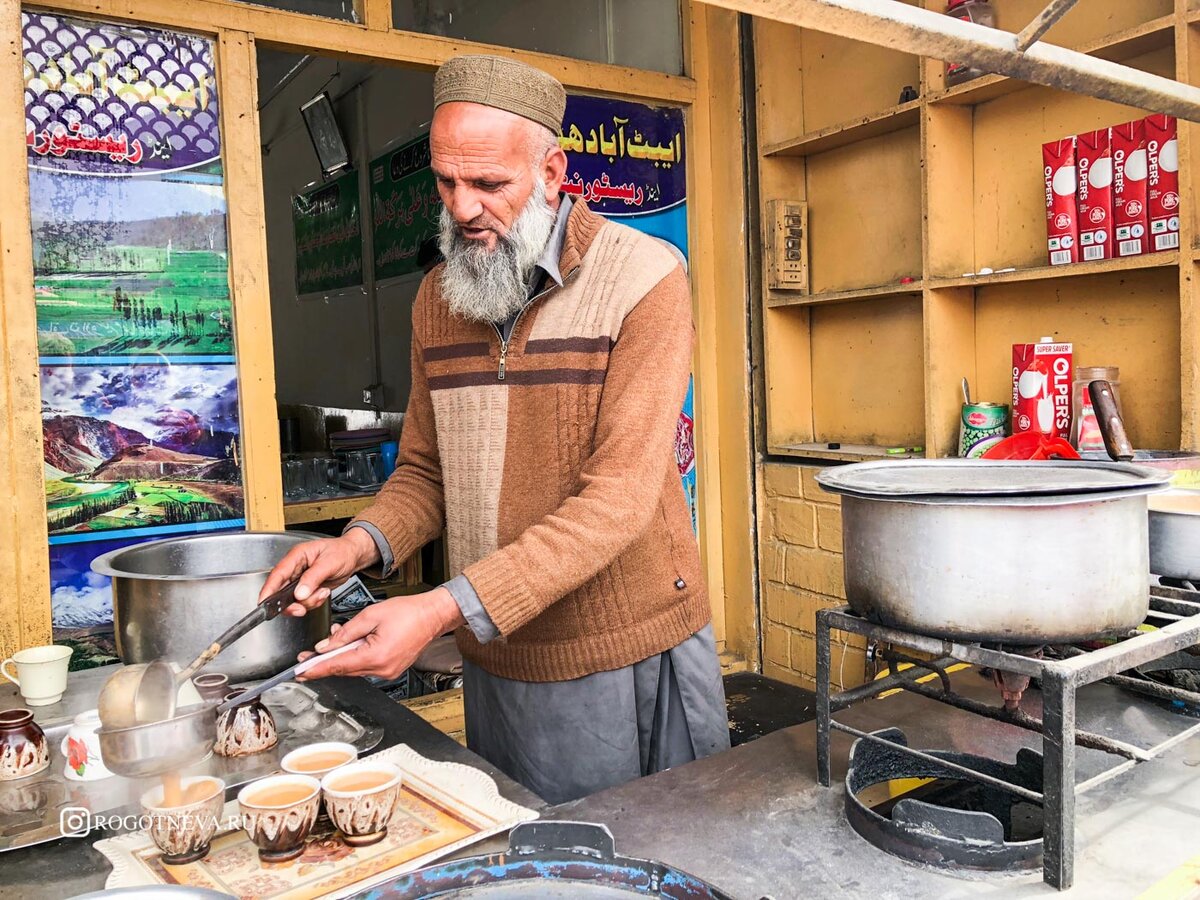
{"x": 81, "y": 747}
{"x": 41, "y": 673}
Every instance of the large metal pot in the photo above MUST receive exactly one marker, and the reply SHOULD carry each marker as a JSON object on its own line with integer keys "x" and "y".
{"x": 171, "y": 599}
{"x": 1175, "y": 535}
{"x": 1013, "y": 552}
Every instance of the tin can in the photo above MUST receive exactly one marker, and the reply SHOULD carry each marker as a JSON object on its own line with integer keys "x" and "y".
{"x": 982, "y": 425}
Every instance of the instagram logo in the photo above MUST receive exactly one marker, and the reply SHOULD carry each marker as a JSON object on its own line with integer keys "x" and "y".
{"x": 74, "y": 821}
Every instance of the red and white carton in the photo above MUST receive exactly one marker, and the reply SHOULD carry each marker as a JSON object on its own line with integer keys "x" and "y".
{"x": 1062, "y": 223}
{"x": 1129, "y": 187}
{"x": 1093, "y": 159}
{"x": 1162, "y": 182}
{"x": 1041, "y": 388}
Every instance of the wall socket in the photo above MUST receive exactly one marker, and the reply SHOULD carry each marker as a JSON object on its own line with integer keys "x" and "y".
{"x": 787, "y": 261}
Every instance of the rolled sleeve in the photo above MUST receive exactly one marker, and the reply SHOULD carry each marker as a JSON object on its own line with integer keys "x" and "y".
{"x": 471, "y": 607}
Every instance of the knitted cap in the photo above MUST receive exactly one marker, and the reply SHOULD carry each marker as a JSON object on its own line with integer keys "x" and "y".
{"x": 504, "y": 84}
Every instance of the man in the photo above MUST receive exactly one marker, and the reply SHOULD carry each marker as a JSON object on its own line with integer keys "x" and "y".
{"x": 550, "y": 358}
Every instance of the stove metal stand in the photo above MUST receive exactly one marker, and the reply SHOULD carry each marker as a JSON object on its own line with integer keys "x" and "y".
{"x": 1062, "y": 671}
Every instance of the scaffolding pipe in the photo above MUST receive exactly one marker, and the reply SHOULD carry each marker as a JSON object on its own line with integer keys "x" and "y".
{"x": 911, "y": 29}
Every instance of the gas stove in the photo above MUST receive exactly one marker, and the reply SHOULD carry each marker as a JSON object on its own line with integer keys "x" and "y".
{"x": 972, "y": 812}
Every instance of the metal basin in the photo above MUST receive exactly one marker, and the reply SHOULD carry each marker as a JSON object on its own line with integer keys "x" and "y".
{"x": 158, "y": 747}
{"x": 1175, "y": 535}
{"x": 1006, "y": 557}
{"x": 172, "y": 598}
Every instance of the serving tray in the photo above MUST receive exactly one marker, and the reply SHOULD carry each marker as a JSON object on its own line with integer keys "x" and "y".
{"x": 443, "y": 807}
{"x": 47, "y": 806}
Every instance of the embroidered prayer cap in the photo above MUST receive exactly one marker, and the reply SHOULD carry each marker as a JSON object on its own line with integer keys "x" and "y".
{"x": 504, "y": 84}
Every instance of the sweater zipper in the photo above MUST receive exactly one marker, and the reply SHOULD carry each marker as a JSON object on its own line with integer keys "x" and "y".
{"x": 517, "y": 321}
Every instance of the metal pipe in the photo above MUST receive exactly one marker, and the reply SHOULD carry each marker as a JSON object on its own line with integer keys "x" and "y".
{"x": 965, "y": 771}
{"x": 912, "y": 29}
{"x": 1043, "y": 22}
{"x": 897, "y": 679}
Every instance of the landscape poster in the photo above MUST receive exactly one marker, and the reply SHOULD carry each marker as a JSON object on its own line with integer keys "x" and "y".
{"x": 152, "y": 448}
{"x": 131, "y": 266}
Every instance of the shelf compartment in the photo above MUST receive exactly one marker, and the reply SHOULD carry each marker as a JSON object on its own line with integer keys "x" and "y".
{"x": 845, "y": 453}
{"x": 1161, "y": 260}
{"x": 324, "y": 510}
{"x": 1117, "y": 47}
{"x": 783, "y": 298}
{"x": 897, "y": 118}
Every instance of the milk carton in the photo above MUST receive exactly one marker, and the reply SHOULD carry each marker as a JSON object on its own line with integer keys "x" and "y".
{"x": 1093, "y": 160}
{"x": 1162, "y": 182}
{"x": 1041, "y": 388}
{"x": 1062, "y": 224}
{"x": 1129, "y": 187}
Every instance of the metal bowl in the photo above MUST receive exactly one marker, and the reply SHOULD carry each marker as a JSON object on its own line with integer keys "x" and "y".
{"x": 172, "y": 597}
{"x": 159, "y": 747}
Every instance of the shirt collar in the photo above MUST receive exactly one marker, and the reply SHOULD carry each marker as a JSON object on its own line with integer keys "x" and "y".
{"x": 548, "y": 261}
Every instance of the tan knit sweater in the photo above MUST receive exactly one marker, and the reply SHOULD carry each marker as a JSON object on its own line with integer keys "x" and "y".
{"x": 557, "y": 483}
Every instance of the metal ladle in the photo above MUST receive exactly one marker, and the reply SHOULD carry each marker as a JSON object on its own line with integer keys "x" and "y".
{"x": 146, "y": 693}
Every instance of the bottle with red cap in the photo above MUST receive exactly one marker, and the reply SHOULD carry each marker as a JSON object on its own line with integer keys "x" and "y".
{"x": 981, "y": 12}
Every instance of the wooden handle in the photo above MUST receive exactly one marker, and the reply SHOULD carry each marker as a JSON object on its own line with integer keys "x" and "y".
{"x": 1104, "y": 404}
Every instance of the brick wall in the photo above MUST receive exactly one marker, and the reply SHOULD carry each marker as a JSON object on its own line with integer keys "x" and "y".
{"x": 800, "y": 557}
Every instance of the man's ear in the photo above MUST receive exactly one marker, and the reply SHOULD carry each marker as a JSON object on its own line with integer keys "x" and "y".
{"x": 554, "y": 171}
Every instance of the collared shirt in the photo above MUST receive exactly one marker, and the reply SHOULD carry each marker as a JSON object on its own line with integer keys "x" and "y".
{"x": 460, "y": 588}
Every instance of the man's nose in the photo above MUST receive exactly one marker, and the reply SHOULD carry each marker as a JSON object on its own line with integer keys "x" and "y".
{"x": 465, "y": 206}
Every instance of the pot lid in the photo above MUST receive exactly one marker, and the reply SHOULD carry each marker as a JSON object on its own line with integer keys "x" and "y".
{"x": 988, "y": 478}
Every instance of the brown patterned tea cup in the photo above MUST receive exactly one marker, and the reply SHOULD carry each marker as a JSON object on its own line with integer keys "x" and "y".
{"x": 278, "y": 813}
{"x": 318, "y": 760}
{"x": 184, "y": 833}
{"x": 360, "y": 798}
{"x": 245, "y": 729}
{"x": 23, "y": 747}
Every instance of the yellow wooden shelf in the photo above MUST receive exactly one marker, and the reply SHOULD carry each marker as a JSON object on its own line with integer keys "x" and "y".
{"x": 845, "y": 452}
{"x": 325, "y": 510}
{"x": 1121, "y": 45}
{"x": 781, "y": 298}
{"x": 896, "y": 118}
{"x": 1162, "y": 260}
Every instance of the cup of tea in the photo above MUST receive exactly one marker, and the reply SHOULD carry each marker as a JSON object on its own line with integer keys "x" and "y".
{"x": 278, "y": 813}
{"x": 40, "y": 673}
{"x": 319, "y": 760}
{"x": 360, "y": 798}
{"x": 184, "y": 831}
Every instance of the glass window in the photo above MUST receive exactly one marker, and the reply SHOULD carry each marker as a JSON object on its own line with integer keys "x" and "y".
{"x": 645, "y": 34}
{"x": 330, "y": 9}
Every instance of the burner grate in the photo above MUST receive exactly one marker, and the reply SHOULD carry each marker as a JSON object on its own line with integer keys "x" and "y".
{"x": 1061, "y": 671}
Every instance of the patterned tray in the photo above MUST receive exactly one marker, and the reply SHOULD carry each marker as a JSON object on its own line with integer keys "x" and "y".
{"x": 443, "y": 807}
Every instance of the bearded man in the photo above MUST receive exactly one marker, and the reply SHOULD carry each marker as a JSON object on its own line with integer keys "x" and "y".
{"x": 550, "y": 357}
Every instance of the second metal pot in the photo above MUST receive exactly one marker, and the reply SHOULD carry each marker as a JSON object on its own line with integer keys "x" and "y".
{"x": 1016, "y": 569}
{"x": 171, "y": 597}
{"x": 1175, "y": 535}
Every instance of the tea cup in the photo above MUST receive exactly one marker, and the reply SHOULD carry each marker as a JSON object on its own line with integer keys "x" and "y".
{"x": 211, "y": 686}
{"x": 319, "y": 760}
{"x": 23, "y": 747}
{"x": 184, "y": 833}
{"x": 278, "y": 813}
{"x": 81, "y": 747}
{"x": 41, "y": 673}
{"x": 360, "y": 798}
{"x": 245, "y": 729}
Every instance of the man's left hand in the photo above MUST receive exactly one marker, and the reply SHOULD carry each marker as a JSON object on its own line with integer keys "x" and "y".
{"x": 396, "y": 631}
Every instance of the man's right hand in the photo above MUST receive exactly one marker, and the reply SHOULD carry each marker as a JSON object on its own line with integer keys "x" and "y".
{"x": 321, "y": 566}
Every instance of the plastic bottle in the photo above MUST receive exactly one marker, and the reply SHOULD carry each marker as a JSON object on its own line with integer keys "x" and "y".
{"x": 981, "y": 12}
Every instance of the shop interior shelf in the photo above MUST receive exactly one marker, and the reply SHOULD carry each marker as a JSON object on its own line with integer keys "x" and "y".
{"x": 783, "y": 298}
{"x": 896, "y": 118}
{"x": 1042, "y": 273}
{"x": 323, "y": 510}
{"x": 844, "y": 452}
{"x": 1122, "y": 45}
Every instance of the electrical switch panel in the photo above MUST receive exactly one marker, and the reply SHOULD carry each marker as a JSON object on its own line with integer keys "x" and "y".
{"x": 787, "y": 261}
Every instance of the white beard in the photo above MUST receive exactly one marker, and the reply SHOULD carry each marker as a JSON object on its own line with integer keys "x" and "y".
{"x": 485, "y": 285}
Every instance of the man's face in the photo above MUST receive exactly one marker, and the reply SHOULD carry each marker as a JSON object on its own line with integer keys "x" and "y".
{"x": 481, "y": 159}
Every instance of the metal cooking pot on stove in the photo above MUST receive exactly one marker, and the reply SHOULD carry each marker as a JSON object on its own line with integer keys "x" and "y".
{"x": 170, "y": 598}
{"x": 1007, "y": 551}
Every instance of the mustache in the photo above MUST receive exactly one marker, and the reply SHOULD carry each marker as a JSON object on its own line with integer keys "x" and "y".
{"x": 481, "y": 221}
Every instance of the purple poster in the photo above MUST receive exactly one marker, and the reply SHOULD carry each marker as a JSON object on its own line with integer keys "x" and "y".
{"x": 140, "y": 421}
